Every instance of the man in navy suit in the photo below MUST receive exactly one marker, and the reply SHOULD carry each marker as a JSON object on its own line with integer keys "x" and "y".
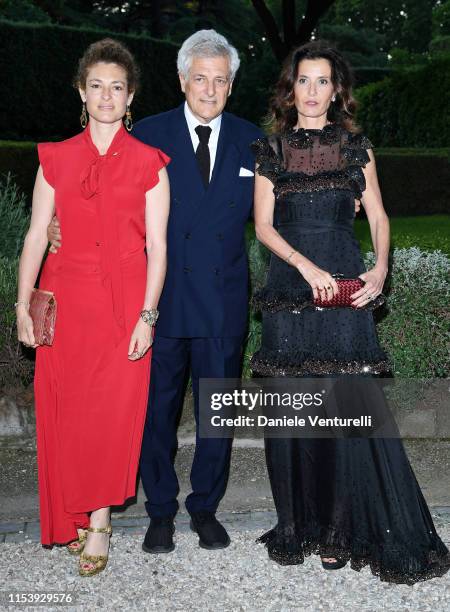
{"x": 204, "y": 304}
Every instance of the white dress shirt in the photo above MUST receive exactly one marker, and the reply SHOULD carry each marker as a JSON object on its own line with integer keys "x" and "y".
{"x": 193, "y": 122}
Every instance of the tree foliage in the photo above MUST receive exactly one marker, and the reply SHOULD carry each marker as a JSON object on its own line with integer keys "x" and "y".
{"x": 382, "y": 26}
{"x": 294, "y": 30}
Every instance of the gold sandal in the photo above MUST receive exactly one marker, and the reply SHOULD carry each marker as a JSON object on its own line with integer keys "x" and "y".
{"x": 97, "y": 561}
{"x": 77, "y": 550}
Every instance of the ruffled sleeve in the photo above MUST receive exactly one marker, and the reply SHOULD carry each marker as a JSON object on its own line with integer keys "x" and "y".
{"x": 268, "y": 162}
{"x": 365, "y": 142}
{"x": 45, "y": 153}
{"x": 355, "y": 150}
{"x": 156, "y": 160}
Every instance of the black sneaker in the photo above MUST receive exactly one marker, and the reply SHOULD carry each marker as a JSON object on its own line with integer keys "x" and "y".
{"x": 159, "y": 536}
{"x": 212, "y": 534}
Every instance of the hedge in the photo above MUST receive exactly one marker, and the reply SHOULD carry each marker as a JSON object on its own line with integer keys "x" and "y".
{"x": 404, "y": 176}
{"x": 409, "y": 108}
{"x": 38, "y": 64}
{"x": 21, "y": 160}
{"x": 414, "y": 183}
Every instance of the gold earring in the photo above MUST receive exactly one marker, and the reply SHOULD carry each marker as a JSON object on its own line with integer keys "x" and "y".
{"x": 128, "y": 120}
{"x": 84, "y": 116}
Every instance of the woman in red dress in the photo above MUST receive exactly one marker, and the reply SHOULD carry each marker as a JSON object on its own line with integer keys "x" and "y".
{"x": 111, "y": 195}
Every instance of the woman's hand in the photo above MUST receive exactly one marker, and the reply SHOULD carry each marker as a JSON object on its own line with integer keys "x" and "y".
{"x": 321, "y": 282}
{"x": 374, "y": 281}
{"x": 141, "y": 340}
{"x": 25, "y": 332}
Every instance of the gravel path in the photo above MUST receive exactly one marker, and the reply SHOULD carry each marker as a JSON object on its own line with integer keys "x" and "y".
{"x": 239, "y": 578}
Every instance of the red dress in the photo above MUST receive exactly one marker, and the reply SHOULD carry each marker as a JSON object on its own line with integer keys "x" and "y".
{"x": 90, "y": 398}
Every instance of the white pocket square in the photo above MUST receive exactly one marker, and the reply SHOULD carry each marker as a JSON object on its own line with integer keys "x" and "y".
{"x": 245, "y": 172}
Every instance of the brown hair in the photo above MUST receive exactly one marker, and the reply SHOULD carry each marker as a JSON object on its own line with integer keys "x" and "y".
{"x": 109, "y": 51}
{"x": 283, "y": 113}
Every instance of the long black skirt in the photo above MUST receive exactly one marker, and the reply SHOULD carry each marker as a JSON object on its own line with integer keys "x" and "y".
{"x": 353, "y": 499}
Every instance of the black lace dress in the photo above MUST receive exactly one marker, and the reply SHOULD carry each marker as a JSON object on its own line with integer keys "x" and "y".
{"x": 357, "y": 498}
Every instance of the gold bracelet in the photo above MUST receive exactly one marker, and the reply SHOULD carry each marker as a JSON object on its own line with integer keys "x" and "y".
{"x": 289, "y": 256}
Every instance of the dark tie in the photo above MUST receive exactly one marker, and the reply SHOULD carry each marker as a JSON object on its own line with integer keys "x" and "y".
{"x": 202, "y": 153}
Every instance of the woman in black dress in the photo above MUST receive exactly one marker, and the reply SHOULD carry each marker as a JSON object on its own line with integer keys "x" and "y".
{"x": 351, "y": 499}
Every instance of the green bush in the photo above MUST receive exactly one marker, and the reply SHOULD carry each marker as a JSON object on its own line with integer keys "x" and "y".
{"x": 38, "y": 64}
{"x": 21, "y": 160}
{"x": 15, "y": 218}
{"x": 413, "y": 327}
{"x": 415, "y": 331}
{"x": 16, "y": 362}
{"x": 258, "y": 257}
{"x": 410, "y": 107}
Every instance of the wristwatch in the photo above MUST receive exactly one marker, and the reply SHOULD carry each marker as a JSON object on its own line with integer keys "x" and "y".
{"x": 150, "y": 316}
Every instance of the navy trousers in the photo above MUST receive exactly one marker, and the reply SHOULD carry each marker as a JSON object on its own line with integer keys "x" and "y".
{"x": 208, "y": 358}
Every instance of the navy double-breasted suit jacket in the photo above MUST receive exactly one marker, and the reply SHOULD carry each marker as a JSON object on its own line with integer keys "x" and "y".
{"x": 206, "y": 289}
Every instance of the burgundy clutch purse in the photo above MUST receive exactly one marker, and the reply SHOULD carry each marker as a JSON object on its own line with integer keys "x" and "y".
{"x": 347, "y": 286}
{"x": 43, "y": 314}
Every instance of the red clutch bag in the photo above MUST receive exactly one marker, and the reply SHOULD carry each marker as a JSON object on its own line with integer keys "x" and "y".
{"x": 347, "y": 286}
{"x": 43, "y": 314}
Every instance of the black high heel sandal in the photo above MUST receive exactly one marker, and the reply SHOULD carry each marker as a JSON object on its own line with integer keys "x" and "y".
{"x": 333, "y": 565}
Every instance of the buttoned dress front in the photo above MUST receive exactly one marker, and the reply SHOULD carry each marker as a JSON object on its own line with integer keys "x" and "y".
{"x": 90, "y": 398}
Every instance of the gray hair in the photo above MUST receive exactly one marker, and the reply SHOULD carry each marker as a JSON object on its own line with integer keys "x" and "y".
{"x": 206, "y": 43}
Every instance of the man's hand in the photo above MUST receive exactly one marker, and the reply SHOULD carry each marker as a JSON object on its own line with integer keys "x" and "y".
{"x": 357, "y": 206}
{"x": 54, "y": 235}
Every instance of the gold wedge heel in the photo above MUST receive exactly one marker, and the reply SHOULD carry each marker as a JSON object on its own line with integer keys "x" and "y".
{"x": 98, "y": 562}
{"x": 77, "y": 546}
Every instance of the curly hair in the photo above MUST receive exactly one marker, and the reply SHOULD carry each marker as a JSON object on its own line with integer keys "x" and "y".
{"x": 283, "y": 113}
{"x": 109, "y": 51}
